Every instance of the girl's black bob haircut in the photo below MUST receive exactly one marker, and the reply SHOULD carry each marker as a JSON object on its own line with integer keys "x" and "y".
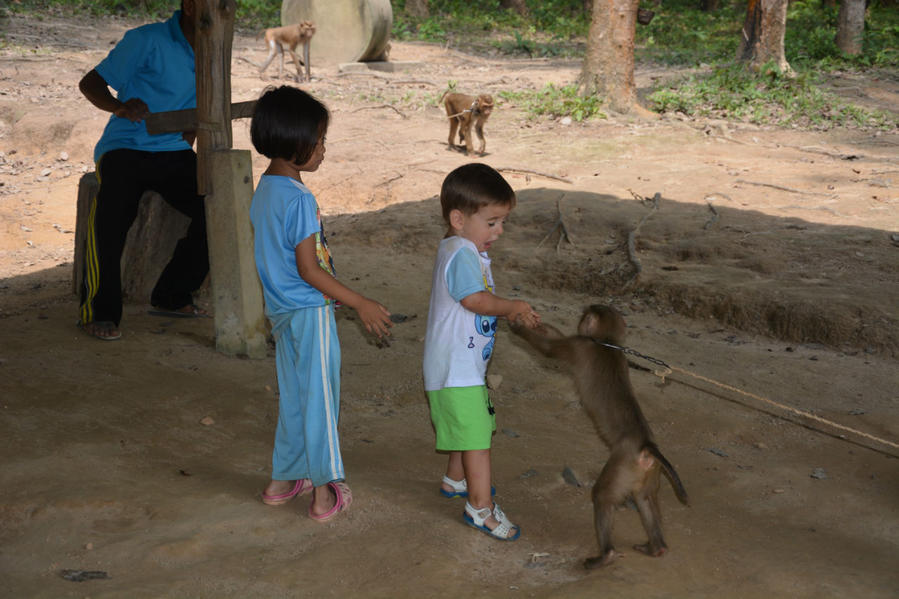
{"x": 472, "y": 186}
{"x": 287, "y": 123}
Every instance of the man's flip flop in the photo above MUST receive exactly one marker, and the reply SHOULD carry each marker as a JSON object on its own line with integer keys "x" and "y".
{"x": 188, "y": 311}
{"x": 302, "y": 486}
{"x": 459, "y": 488}
{"x": 105, "y": 330}
{"x": 343, "y": 496}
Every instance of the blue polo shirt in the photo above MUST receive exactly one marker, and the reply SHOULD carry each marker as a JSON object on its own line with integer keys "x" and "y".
{"x": 156, "y": 64}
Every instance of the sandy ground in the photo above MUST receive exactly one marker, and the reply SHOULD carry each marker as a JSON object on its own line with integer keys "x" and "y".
{"x": 769, "y": 265}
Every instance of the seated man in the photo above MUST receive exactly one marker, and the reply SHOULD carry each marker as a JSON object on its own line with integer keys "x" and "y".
{"x": 152, "y": 69}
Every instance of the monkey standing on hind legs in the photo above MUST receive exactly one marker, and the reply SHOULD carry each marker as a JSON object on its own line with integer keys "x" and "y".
{"x": 291, "y": 36}
{"x": 603, "y": 384}
{"x": 462, "y": 110}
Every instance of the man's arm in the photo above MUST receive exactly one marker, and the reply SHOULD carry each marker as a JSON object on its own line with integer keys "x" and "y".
{"x": 95, "y": 89}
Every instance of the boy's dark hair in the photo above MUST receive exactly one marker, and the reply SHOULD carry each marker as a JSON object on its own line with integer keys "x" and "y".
{"x": 473, "y": 186}
{"x": 287, "y": 123}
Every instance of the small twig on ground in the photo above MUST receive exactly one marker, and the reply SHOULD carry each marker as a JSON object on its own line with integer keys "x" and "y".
{"x": 245, "y": 59}
{"x": 365, "y": 74}
{"x": 708, "y": 198}
{"x": 560, "y": 225}
{"x": 414, "y": 82}
{"x": 787, "y": 189}
{"x": 394, "y": 108}
{"x": 525, "y": 171}
{"x": 632, "y": 235}
{"x": 391, "y": 180}
{"x": 711, "y": 196}
{"x": 713, "y": 219}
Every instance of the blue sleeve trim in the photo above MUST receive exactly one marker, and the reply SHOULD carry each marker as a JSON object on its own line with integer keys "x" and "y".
{"x": 463, "y": 275}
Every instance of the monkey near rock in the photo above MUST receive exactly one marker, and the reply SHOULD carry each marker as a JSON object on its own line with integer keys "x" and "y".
{"x": 291, "y": 36}
{"x": 635, "y": 463}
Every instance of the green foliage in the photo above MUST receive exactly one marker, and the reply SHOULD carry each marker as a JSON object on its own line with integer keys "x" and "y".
{"x": 251, "y": 14}
{"x": 767, "y": 97}
{"x": 556, "y": 102}
{"x": 548, "y": 30}
{"x": 811, "y": 28}
{"x": 682, "y": 34}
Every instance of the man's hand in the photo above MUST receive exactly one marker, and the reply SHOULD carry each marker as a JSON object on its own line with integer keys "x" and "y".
{"x": 134, "y": 110}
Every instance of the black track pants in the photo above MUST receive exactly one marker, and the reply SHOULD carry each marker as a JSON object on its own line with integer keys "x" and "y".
{"x": 124, "y": 176}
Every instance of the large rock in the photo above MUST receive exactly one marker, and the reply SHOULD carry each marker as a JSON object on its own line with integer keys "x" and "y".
{"x": 345, "y": 30}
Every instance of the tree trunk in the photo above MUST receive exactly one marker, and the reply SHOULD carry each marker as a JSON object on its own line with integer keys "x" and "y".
{"x": 608, "y": 68}
{"x": 709, "y": 5}
{"x": 762, "y": 37}
{"x": 517, "y": 5}
{"x": 418, "y": 9}
{"x": 851, "y": 26}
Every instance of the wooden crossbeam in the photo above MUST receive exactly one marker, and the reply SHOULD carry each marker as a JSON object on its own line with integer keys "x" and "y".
{"x": 186, "y": 120}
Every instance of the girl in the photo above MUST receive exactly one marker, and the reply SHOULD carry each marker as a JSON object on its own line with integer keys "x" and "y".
{"x": 300, "y": 292}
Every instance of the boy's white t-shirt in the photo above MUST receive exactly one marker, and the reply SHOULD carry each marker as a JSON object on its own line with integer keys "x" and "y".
{"x": 458, "y": 342}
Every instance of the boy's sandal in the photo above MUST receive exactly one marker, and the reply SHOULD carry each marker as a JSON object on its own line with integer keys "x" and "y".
{"x": 476, "y": 518}
{"x": 302, "y": 486}
{"x": 500, "y": 516}
{"x": 343, "y": 498}
{"x": 459, "y": 488}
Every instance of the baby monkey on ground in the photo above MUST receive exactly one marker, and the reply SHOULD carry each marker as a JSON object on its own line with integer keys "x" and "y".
{"x": 291, "y": 36}
{"x": 463, "y": 111}
{"x": 603, "y": 384}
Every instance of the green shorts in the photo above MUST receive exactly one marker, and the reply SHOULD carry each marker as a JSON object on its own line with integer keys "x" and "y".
{"x": 463, "y": 418}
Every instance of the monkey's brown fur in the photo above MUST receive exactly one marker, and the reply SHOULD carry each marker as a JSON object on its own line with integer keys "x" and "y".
{"x": 603, "y": 384}
{"x": 291, "y": 36}
{"x": 462, "y": 111}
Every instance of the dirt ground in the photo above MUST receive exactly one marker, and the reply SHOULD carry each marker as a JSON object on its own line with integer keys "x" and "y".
{"x": 769, "y": 265}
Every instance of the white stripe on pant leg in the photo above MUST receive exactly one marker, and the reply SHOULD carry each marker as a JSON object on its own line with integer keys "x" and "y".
{"x": 325, "y": 352}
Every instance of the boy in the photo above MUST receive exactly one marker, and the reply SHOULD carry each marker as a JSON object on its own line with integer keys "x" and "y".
{"x": 462, "y": 316}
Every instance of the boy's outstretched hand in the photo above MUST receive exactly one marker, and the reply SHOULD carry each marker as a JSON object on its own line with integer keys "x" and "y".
{"x": 522, "y": 314}
{"x": 375, "y": 317}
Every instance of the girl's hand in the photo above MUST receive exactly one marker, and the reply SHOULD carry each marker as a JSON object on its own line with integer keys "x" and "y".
{"x": 375, "y": 317}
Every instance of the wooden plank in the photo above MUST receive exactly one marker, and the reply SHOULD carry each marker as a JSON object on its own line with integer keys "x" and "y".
{"x": 214, "y": 23}
{"x": 186, "y": 120}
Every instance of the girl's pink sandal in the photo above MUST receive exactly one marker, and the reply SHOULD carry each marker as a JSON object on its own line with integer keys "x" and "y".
{"x": 302, "y": 486}
{"x": 344, "y": 497}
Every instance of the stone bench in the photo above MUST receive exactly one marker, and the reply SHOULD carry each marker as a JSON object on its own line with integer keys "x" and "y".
{"x": 148, "y": 248}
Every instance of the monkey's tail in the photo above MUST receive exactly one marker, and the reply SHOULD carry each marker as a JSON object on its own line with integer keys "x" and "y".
{"x": 670, "y": 472}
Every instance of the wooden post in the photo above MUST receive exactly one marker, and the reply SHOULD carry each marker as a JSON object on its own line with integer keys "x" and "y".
{"x": 225, "y": 178}
{"x": 212, "y": 51}
{"x": 236, "y": 291}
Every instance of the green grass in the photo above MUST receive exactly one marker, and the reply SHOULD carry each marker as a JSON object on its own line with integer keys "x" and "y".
{"x": 769, "y": 97}
{"x": 556, "y": 102}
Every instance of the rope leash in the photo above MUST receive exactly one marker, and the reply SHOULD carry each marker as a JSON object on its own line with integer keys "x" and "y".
{"x": 459, "y": 114}
{"x": 784, "y": 407}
